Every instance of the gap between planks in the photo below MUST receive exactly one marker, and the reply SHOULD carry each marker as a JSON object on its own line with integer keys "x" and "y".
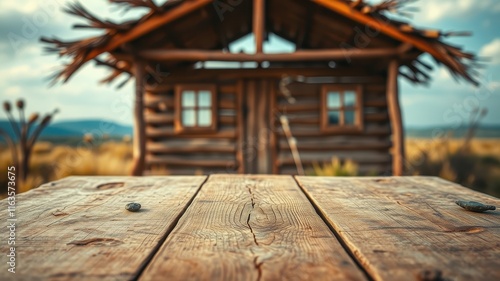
{"x": 211, "y": 245}
{"x": 169, "y": 230}
{"x": 344, "y": 245}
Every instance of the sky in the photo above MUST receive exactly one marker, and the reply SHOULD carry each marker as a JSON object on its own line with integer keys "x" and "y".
{"x": 25, "y": 68}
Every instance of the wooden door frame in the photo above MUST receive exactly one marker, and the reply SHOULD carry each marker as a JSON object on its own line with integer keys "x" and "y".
{"x": 256, "y": 114}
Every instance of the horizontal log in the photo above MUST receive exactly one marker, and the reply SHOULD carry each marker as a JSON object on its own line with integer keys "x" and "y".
{"x": 227, "y": 89}
{"x": 290, "y": 161}
{"x": 159, "y": 118}
{"x": 322, "y": 146}
{"x": 159, "y": 88}
{"x": 368, "y": 132}
{"x": 299, "y": 107}
{"x": 363, "y": 170}
{"x": 375, "y": 103}
{"x": 313, "y": 120}
{"x": 375, "y": 88}
{"x": 209, "y": 75}
{"x": 169, "y": 133}
{"x": 159, "y": 102}
{"x": 154, "y": 147}
{"x": 182, "y": 162}
{"x": 306, "y": 120}
{"x": 226, "y": 104}
{"x": 301, "y": 55}
{"x": 377, "y": 117}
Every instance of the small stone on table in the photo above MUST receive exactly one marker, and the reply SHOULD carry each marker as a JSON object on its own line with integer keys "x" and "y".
{"x": 133, "y": 207}
{"x": 474, "y": 206}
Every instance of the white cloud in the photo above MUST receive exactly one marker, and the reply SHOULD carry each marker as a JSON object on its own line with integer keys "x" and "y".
{"x": 443, "y": 73}
{"x": 431, "y": 10}
{"x": 491, "y": 51}
{"x": 493, "y": 86}
{"x": 13, "y": 91}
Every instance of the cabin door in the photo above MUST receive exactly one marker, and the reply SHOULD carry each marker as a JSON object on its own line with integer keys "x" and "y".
{"x": 258, "y": 128}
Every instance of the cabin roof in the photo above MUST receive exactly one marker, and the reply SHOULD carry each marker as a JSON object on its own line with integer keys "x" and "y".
{"x": 211, "y": 25}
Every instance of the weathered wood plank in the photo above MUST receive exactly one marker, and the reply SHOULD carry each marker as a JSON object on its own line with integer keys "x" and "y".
{"x": 200, "y": 162}
{"x": 399, "y": 227}
{"x": 163, "y": 147}
{"x": 370, "y": 131}
{"x": 286, "y": 159}
{"x": 166, "y": 132}
{"x": 251, "y": 228}
{"x": 326, "y": 146}
{"x": 78, "y": 228}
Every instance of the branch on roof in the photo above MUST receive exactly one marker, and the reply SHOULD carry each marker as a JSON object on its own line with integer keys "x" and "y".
{"x": 129, "y": 4}
{"x": 116, "y": 65}
{"x": 78, "y": 10}
{"x": 393, "y": 6}
{"x": 460, "y": 63}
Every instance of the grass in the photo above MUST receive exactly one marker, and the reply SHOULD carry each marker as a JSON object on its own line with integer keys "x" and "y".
{"x": 477, "y": 167}
{"x": 52, "y": 162}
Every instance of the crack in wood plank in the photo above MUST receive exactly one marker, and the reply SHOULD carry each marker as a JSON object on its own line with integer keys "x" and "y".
{"x": 252, "y": 199}
{"x": 213, "y": 239}
{"x": 258, "y": 265}
{"x": 98, "y": 241}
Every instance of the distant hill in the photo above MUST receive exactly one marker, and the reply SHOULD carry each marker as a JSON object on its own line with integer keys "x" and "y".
{"x": 484, "y": 131}
{"x": 78, "y": 128}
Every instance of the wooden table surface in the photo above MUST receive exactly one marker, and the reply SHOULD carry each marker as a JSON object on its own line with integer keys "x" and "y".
{"x": 230, "y": 227}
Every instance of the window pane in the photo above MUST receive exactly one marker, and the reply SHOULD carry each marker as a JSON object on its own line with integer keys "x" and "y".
{"x": 333, "y": 99}
{"x": 188, "y": 118}
{"x": 349, "y": 117}
{"x": 205, "y": 118}
{"x": 187, "y": 98}
{"x": 204, "y": 98}
{"x": 350, "y": 98}
{"x": 333, "y": 117}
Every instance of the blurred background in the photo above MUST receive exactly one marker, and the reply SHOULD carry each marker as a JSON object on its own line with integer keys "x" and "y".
{"x": 452, "y": 128}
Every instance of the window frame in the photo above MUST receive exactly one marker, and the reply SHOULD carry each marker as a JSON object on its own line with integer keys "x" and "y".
{"x": 358, "y": 126}
{"x": 178, "y": 126}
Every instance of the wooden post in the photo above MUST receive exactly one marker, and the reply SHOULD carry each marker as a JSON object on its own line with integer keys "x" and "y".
{"x": 258, "y": 24}
{"x": 396, "y": 119}
{"x": 139, "y": 149}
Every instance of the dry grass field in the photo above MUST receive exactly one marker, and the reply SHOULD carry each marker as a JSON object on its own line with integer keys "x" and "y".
{"x": 477, "y": 166}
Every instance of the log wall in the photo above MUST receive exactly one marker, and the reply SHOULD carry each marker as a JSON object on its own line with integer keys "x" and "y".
{"x": 170, "y": 153}
{"x": 369, "y": 149}
{"x": 229, "y": 151}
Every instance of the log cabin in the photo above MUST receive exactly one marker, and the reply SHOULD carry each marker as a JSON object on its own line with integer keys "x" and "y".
{"x": 203, "y": 107}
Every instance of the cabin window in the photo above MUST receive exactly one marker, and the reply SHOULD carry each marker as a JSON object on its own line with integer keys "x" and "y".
{"x": 195, "y": 108}
{"x": 342, "y": 109}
